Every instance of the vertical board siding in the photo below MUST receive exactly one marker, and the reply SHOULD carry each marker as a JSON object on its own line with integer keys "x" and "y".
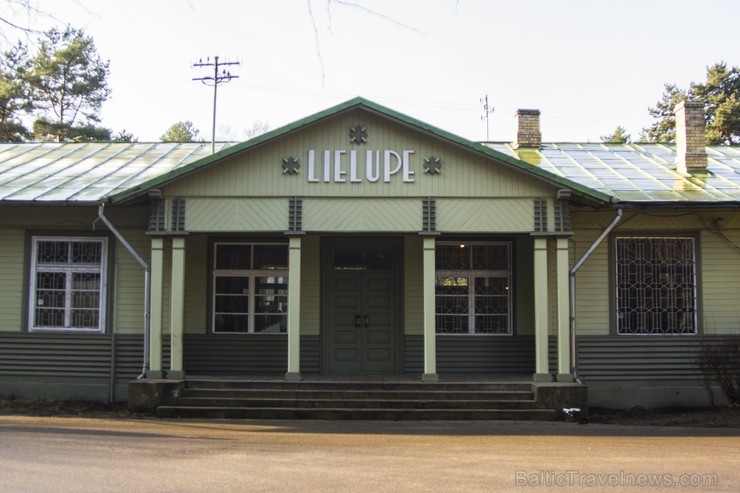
{"x": 12, "y": 260}
{"x": 129, "y": 283}
{"x": 413, "y": 292}
{"x": 719, "y": 269}
{"x": 196, "y": 284}
{"x": 310, "y": 285}
{"x": 258, "y": 172}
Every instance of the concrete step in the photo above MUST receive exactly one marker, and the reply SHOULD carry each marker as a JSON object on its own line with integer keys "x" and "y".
{"x": 196, "y": 383}
{"x": 302, "y": 393}
{"x": 410, "y": 403}
{"x": 209, "y": 412}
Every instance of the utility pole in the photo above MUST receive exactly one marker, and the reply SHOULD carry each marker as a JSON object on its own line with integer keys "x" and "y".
{"x": 214, "y": 80}
{"x": 487, "y": 110}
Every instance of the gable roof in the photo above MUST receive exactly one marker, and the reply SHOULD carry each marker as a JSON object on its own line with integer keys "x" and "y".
{"x": 363, "y": 104}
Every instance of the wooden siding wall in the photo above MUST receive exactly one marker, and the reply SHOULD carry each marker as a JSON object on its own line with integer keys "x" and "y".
{"x": 413, "y": 276}
{"x": 246, "y": 354}
{"x": 639, "y": 358}
{"x": 126, "y": 293}
{"x": 12, "y": 261}
{"x": 69, "y": 360}
{"x": 473, "y": 354}
{"x": 485, "y": 215}
{"x": 718, "y": 262}
{"x": 258, "y": 172}
{"x": 376, "y": 215}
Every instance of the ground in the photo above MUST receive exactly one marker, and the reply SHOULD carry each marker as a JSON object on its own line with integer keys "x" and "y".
{"x": 692, "y": 417}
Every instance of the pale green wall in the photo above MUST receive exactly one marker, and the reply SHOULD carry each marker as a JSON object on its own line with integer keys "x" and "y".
{"x": 126, "y": 296}
{"x": 413, "y": 303}
{"x": 310, "y": 285}
{"x": 12, "y": 260}
{"x": 718, "y": 265}
{"x": 258, "y": 172}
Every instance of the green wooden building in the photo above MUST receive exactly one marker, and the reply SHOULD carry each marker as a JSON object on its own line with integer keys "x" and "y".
{"x": 362, "y": 241}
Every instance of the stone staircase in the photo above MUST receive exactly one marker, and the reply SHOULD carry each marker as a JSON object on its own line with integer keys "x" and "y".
{"x": 338, "y": 400}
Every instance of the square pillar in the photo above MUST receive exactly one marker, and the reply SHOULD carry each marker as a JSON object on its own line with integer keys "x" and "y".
{"x": 564, "y": 335}
{"x": 294, "y": 309}
{"x": 430, "y": 308}
{"x": 177, "y": 309}
{"x": 155, "y": 321}
{"x": 541, "y": 312}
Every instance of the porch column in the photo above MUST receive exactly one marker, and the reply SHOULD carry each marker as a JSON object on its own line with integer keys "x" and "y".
{"x": 294, "y": 309}
{"x": 541, "y": 312}
{"x": 177, "y": 309}
{"x": 155, "y": 321}
{"x": 564, "y": 371}
{"x": 430, "y": 330}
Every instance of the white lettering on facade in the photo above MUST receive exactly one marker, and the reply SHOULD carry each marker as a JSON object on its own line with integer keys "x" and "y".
{"x": 386, "y": 163}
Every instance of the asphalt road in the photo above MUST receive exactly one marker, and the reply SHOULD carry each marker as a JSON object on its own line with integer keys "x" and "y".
{"x": 94, "y": 455}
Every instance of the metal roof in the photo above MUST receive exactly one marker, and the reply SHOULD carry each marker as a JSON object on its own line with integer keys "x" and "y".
{"x": 638, "y": 173}
{"x": 628, "y": 173}
{"x": 78, "y": 173}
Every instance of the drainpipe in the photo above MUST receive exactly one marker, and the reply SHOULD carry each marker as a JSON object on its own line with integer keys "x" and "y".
{"x": 147, "y": 286}
{"x": 572, "y": 291}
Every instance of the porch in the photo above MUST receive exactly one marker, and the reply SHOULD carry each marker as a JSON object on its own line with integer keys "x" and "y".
{"x": 358, "y": 396}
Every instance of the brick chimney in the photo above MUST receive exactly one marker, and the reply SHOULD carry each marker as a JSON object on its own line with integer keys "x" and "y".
{"x": 690, "y": 136}
{"x": 527, "y": 129}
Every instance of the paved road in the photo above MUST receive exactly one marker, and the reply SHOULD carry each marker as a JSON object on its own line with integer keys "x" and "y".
{"x": 88, "y": 455}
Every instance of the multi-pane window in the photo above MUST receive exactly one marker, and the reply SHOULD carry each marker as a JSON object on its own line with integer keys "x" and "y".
{"x": 67, "y": 288}
{"x": 250, "y": 287}
{"x": 656, "y": 285}
{"x": 473, "y": 288}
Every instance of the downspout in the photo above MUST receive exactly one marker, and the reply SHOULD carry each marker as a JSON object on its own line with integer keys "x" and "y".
{"x": 147, "y": 286}
{"x": 572, "y": 291}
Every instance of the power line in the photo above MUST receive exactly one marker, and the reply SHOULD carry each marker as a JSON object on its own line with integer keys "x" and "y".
{"x": 214, "y": 80}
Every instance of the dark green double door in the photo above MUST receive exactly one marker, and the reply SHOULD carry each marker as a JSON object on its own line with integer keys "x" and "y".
{"x": 361, "y": 307}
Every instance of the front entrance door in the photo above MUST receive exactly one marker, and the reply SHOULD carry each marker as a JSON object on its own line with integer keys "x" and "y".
{"x": 361, "y": 307}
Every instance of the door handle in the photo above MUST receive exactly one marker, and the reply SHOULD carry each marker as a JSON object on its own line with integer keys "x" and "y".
{"x": 358, "y": 320}
{"x": 366, "y": 319}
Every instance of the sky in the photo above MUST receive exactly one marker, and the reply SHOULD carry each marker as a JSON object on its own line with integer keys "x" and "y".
{"x": 587, "y": 65}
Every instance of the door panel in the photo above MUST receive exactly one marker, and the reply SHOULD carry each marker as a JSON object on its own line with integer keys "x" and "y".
{"x": 361, "y": 309}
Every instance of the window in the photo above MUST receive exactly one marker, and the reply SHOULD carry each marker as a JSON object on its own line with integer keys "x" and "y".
{"x": 473, "y": 288}
{"x": 67, "y": 288}
{"x": 656, "y": 285}
{"x": 250, "y": 288}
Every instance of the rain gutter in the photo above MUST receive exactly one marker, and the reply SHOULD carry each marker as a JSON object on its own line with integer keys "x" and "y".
{"x": 572, "y": 291}
{"x": 147, "y": 286}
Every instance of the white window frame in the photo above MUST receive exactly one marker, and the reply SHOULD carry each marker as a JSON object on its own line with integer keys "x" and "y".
{"x": 68, "y": 269}
{"x": 663, "y": 293}
{"x": 471, "y": 275}
{"x": 251, "y": 275}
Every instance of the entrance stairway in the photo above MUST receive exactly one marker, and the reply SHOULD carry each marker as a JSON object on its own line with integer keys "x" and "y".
{"x": 357, "y": 400}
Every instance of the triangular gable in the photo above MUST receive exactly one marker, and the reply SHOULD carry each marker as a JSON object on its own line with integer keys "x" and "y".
{"x": 358, "y": 105}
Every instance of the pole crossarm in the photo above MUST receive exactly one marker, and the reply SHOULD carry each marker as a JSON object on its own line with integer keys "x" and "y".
{"x": 214, "y": 80}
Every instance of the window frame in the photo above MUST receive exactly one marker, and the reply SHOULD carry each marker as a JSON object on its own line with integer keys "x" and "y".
{"x": 694, "y": 284}
{"x": 252, "y": 276}
{"x": 102, "y": 270}
{"x": 472, "y": 275}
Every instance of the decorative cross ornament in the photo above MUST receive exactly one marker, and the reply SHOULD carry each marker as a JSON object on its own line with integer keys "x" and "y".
{"x": 432, "y": 165}
{"x": 358, "y": 134}
{"x": 290, "y": 165}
